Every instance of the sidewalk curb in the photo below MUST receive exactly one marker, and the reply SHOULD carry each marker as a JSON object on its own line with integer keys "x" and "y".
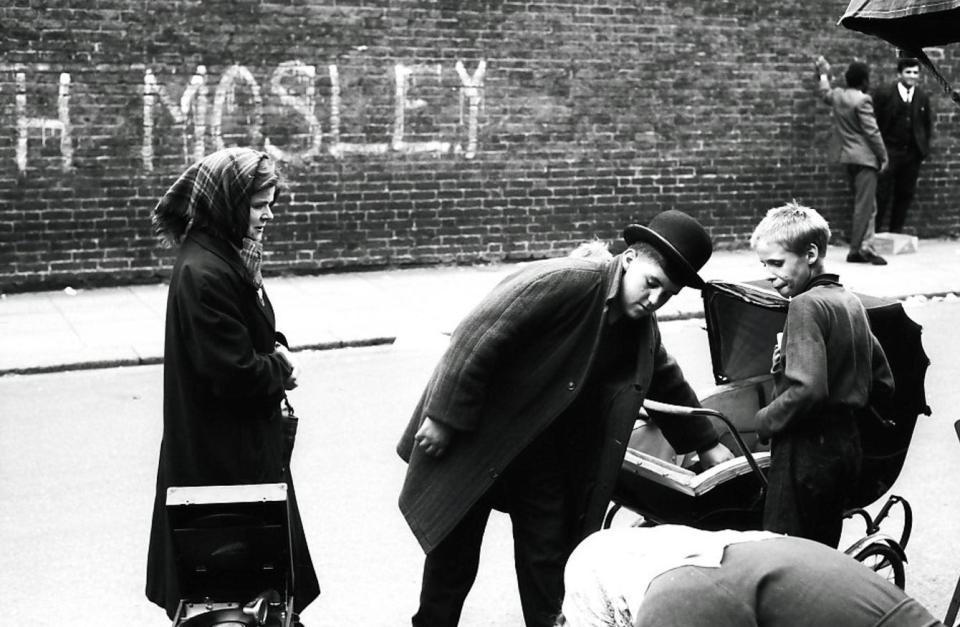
{"x": 356, "y": 343}
{"x": 152, "y": 361}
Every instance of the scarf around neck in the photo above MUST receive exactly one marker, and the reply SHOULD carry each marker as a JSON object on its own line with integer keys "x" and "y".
{"x": 251, "y": 253}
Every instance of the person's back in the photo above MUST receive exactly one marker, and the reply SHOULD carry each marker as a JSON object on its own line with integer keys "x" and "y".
{"x": 855, "y": 125}
{"x": 853, "y": 143}
{"x": 849, "y": 352}
{"x": 779, "y": 582}
{"x": 861, "y": 150}
{"x": 678, "y": 576}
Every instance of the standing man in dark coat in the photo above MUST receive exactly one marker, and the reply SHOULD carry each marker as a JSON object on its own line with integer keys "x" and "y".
{"x": 531, "y": 408}
{"x": 905, "y": 120}
{"x": 225, "y": 367}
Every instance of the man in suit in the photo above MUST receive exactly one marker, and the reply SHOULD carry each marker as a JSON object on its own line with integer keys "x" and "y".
{"x": 905, "y": 120}
{"x": 531, "y": 407}
{"x": 861, "y": 151}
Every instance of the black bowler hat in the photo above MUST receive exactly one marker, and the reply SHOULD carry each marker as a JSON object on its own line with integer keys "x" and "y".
{"x": 682, "y": 241}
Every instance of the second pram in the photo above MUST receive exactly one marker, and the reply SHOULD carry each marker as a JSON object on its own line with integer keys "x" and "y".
{"x": 742, "y": 323}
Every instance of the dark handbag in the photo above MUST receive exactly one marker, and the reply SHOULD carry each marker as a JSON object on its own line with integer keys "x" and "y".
{"x": 288, "y": 422}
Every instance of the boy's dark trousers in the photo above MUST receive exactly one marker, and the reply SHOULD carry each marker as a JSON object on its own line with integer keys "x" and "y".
{"x": 813, "y": 467}
{"x": 533, "y": 491}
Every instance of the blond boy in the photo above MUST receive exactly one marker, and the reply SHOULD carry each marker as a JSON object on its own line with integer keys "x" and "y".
{"x": 827, "y": 366}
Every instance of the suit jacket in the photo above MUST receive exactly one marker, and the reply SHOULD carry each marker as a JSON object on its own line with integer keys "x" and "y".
{"x": 855, "y": 127}
{"x": 514, "y": 364}
{"x": 885, "y": 101}
{"x": 222, "y": 387}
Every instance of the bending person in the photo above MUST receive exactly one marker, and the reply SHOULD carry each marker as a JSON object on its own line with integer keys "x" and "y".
{"x": 530, "y": 409}
{"x": 676, "y": 576}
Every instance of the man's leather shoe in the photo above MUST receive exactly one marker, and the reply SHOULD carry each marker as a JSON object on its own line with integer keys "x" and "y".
{"x": 866, "y": 256}
{"x": 856, "y": 258}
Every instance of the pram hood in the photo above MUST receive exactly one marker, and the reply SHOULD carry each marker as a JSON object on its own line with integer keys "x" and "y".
{"x": 743, "y": 320}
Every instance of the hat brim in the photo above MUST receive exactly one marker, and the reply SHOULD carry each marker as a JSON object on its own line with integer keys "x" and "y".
{"x": 678, "y": 268}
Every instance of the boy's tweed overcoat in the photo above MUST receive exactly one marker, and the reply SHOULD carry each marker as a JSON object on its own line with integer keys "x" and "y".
{"x": 514, "y": 365}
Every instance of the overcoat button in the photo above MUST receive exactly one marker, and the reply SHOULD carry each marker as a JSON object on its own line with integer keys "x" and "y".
{"x": 571, "y": 386}
{"x": 493, "y": 473}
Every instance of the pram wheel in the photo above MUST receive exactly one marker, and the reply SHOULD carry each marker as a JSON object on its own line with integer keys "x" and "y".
{"x": 885, "y": 561}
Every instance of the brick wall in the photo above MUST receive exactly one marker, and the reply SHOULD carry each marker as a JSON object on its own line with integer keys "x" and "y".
{"x": 420, "y": 132}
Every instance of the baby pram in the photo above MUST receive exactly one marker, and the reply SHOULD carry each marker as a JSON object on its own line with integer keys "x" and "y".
{"x": 742, "y": 323}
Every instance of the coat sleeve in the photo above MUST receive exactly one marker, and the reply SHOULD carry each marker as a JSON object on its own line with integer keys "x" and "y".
{"x": 491, "y": 333}
{"x": 868, "y": 124}
{"x": 804, "y": 381}
{"x": 668, "y": 385}
{"x": 218, "y": 342}
{"x": 927, "y": 120}
{"x": 825, "y": 91}
{"x": 880, "y": 107}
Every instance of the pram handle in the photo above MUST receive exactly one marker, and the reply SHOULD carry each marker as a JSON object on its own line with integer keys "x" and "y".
{"x": 684, "y": 411}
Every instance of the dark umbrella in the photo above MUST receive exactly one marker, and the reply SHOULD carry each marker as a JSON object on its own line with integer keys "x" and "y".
{"x": 910, "y": 25}
{"x": 907, "y": 24}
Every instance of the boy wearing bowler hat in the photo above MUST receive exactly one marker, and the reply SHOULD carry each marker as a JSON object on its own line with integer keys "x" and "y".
{"x": 531, "y": 407}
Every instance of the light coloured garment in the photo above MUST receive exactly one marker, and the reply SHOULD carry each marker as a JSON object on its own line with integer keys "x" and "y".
{"x": 608, "y": 574}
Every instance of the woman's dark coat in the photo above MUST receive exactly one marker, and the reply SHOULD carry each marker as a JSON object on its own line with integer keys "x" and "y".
{"x": 222, "y": 388}
{"x": 514, "y": 364}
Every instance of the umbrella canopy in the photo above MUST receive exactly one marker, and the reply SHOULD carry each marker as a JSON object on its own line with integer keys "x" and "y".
{"x": 911, "y": 25}
{"x": 907, "y": 24}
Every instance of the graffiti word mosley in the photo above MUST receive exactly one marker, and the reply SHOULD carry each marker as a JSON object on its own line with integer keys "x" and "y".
{"x": 195, "y": 110}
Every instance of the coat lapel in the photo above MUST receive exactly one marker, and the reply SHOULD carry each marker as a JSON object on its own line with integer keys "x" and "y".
{"x": 231, "y": 257}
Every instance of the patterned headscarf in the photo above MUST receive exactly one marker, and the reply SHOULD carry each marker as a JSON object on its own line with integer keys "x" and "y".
{"x": 212, "y": 195}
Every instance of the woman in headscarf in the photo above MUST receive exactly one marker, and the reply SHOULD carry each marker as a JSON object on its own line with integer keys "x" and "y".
{"x": 225, "y": 368}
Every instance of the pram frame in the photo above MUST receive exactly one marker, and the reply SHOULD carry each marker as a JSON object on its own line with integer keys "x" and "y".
{"x": 735, "y": 370}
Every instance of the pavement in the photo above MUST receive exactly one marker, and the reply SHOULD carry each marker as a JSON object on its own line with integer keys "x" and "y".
{"x": 74, "y": 329}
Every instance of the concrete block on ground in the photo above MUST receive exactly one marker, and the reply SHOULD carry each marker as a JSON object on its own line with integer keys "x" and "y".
{"x": 895, "y": 243}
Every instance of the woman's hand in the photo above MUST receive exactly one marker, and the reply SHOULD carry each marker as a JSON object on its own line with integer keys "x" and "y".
{"x": 433, "y": 437}
{"x": 284, "y": 352}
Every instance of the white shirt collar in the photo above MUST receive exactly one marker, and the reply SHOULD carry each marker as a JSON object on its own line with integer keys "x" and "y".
{"x": 905, "y": 94}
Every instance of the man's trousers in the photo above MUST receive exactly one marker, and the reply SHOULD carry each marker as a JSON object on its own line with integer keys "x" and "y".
{"x": 532, "y": 490}
{"x": 863, "y": 179}
{"x": 896, "y": 188}
{"x": 813, "y": 468}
